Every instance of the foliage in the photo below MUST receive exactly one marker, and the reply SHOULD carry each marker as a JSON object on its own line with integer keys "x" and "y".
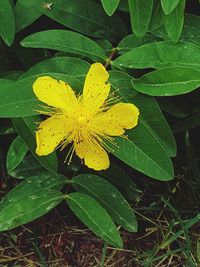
{"x": 151, "y": 50}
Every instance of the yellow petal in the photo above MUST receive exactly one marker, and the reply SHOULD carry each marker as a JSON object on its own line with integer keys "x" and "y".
{"x": 94, "y": 156}
{"x": 113, "y": 122}
{"x": 51, "y": 133}
{"x": 55, "y": 93}
{"x": 95, "y": 90}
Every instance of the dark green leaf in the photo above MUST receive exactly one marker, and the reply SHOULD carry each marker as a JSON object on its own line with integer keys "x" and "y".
{"x": 26, "y": 128}
{"x": 122, "y": 181}
{"x": 169, "y": 5}
{"x": 131, "y": 41}
{"x": 16, "y": 153}
{"x": 149, "y": 110}
{"x": 161, "y": 55}
{"x": 95, "y": 217}
{"x": 87, "y": 18}
{"x": 29, "y": 200}
{"x": 110, "y": 6}
{"x": 71, "y": 66}
{"x": 7, "y": 25}
{"x": 168, "y": 82}
{"x": 140, "y": 13}
{"x": 109, "y": 198}
{"x": 174, "y": 21}
{"x": 27, "y": 12}
{"x": 29, "y": 165}
{"x": 66, "y": 41}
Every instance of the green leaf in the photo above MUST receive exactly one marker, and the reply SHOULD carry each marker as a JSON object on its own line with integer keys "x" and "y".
{"x": 109, "y": 198}
{"x": 149, "y": 110}
{"x": 71, "y": 66}
{"x": 16, "y": 153}
{"x": 30, "y": 199}
{"x": 140, "y": 13}
{"x": 87, "y": 18}
{"x": 95, "y": 217}
{"x": 123, "y": 6}
{"x": 160, "y": 55}
{"x": 168, "y": 82}
{"x": 18, "y": 100}
{"x": 26, "y": 128}
{"x": 157, "y": 17}
{"x": 65, "y": 41}
{"x": 26, "y": 12}
{"x": 28, "y": 165}
{"x": 190, "y": 31}
{"x": 6, "y": 127}
{"x": 174, "y": 21}
{"x": 169, "y": 5}
{"x": 122, "y": 181}
{"x": 7, "y": 25}
{"x": 110, "y": 6}
{"x": 148, "y": 143}
{"x": 131, "y": 41}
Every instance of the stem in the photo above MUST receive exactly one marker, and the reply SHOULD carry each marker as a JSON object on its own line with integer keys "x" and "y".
{"x": 109, "y": 59}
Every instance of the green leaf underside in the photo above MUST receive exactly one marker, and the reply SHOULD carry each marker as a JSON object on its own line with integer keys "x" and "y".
{"x": 110, "y": 6}
{"x": 66, "y": 41}
{"x": 109, "y": 197}
{"x": 16, "y": 153}
{"x": 169, "y": 5}
{"x": 161, "y": 55}
{"x": 95, "y": 217}
{"x": 174, "y": 21}
{"x": 29, "y": 200}
{"x": 140, "y": 13}
{"x": 88, "y": 18}
{"x": 18, "y": 100}
{"x": 168, "y": 82}
{"x": 26, "y": 128}
{"x": 7, "y": 25}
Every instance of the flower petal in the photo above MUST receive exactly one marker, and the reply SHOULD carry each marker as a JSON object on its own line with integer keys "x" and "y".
{"x": 51, "y": 133}
{"x": 95, "y": 90}
{"x": 113, "y": 122}
{"x": 55, "y": 93}
{"x": 93, "y": 154}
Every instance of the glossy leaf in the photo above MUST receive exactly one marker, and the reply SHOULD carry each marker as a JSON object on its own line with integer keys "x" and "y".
{"x": 26, "y": 128}
{"x": 160, "y": 55}
{"x": 66, "y": 41}
{"x": 174, "y": 21}
{"x": 30, "y": 199}
{"x": 149, "y": 110}
{"x": 87, "y": 18}
{"x": 110, "y": 6}
{"x": 71, "y": 66}
{"x": 109, "y": 198}
{"x": 7, "y": 25}
{"x": 140, "y": 13}
{"x": 169, "y": 5}
{"x": 30, "y": 10}
{"x": 16, "y": 153}
{"x": 95, "y": 217}
{"x": 168, "y": 82}
{"x": 18, "y": 100}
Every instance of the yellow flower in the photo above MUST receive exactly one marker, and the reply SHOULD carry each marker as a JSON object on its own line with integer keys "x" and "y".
{"x": 88, "y": 120}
